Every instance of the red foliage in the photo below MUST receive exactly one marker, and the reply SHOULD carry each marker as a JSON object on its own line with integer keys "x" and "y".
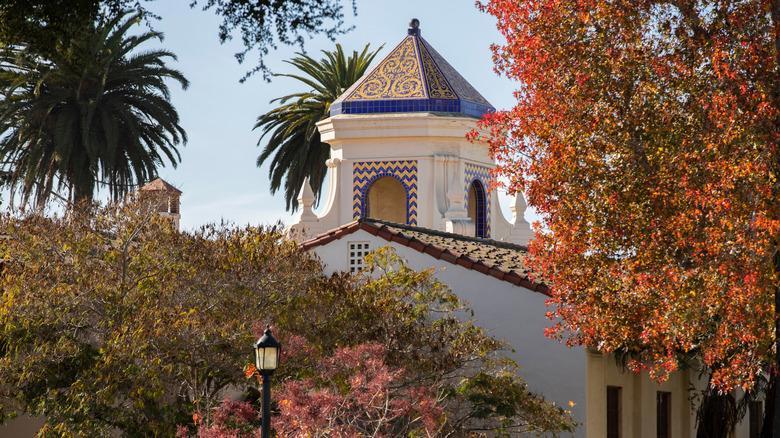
{"x": 646, "y": 136}
{"x": 355, "y": 394}
{"x": 351, "y": 393}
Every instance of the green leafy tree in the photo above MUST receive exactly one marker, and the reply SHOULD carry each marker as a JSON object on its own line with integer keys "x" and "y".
{"x": 94, "y": 113}
{"x": 447, "y": 376}
{"x": 42, "y": 24}
{"x": 294, "y": 139}
{"x": 112, "y": 321}
{"x": 264, "y": 23}
{"x": 261, "y": 24}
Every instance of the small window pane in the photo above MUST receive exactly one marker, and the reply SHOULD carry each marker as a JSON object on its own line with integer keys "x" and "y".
{"x": 613, "y": 411}
{"x": 356, "y": 257}
{"x": 663, "y": 404}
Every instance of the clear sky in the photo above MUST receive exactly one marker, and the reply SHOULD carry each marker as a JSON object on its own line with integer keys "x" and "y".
{"x": 218, "y": 172}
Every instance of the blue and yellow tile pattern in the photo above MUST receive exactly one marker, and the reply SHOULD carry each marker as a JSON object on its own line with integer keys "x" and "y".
{"x": 412, "y": 78}
{"x": 481, "y": 174}
{"x": 366, "y": 172}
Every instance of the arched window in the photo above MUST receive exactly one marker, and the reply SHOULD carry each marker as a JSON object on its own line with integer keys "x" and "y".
{"x": 386, "y": 200}
{"x": 477, "y": 208}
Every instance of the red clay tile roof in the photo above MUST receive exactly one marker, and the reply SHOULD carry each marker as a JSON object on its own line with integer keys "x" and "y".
{"x": 502, "y": 260}
{"x": 160, "y": 185}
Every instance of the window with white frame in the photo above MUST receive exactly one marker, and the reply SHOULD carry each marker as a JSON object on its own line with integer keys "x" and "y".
{"x": 357, "y": 250}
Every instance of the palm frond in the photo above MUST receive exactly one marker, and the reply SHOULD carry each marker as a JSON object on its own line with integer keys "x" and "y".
{"x": 293, "y": 139}
{"x": 95, "y": 114}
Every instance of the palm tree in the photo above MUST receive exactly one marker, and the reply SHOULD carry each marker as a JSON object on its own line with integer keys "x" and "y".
{"x": 91, "y": 115}
{"x": 295, "y": 141}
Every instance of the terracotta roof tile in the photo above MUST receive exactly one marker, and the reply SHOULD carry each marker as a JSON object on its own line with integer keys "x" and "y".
{"x": 513, "y": 278}
{"x": 496, "y": 273}
{"x": 385, "y": 234}
{"x": 505, "y": 261}
{"x": 448, "y": 257}
{"x": 371, "y": 229}
{"x": 400, "y": 239}
{"x": 160, "y": 185}
{"x": 416, "y": 244}
{"x": 432, "y": 250}
{"x": 466, "y": 263}
{"x": 480, "y": 267}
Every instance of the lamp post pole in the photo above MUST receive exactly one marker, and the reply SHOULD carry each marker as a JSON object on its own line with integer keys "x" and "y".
{"x": 267, "y": 351}
{"x": 265, "y": 431}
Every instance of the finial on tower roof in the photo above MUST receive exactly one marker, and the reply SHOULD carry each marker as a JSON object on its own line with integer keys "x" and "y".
{"x": 414, "y": 27}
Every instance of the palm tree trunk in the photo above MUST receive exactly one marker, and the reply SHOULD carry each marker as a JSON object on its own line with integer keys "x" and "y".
{"x": 83, "y": 194}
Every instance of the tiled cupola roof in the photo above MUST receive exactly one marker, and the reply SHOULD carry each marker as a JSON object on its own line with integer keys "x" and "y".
{"x": 414, "y": 77}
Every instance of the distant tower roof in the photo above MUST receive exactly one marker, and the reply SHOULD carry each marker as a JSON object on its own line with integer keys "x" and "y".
{"x": 167, "y": 198}
{"x": 412, "y": 78}
{"x": 160, "y": 185}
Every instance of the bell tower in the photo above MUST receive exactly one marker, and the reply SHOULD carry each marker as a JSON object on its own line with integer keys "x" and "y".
{"x": 399, "y": 151}
{"x": 168, "y": 198}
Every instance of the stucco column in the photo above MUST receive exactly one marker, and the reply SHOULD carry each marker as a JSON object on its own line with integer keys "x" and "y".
{"x": 596, "y": 394}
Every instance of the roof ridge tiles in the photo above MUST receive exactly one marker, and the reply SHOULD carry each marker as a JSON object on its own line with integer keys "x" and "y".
{"x": 393, "y": 232}
{"x": 496, "y": 243}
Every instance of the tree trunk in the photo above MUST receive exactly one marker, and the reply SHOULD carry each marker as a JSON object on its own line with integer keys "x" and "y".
{"x": 772, "y": 399}
{"x": 83, "y": 196}
{"x": 717, "y": 416}
{"x": 774, "y": 11}
{"x": 769, "y": 408}
{"x": 776, "y": 396}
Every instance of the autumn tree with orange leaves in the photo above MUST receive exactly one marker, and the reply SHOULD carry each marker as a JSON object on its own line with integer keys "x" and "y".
{"x": 646, "y": 136}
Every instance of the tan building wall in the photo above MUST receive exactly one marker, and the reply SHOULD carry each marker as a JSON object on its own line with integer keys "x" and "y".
{"x": 638, "y": 410}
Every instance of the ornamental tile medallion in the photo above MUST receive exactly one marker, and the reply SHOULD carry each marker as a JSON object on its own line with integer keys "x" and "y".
{"x": 398, "y": 76}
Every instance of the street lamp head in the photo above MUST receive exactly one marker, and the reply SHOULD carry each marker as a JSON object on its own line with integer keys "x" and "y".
{"x": 267, "y": 351}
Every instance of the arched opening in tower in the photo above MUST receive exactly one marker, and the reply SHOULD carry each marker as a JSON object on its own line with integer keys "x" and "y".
{"x": 478, "y": 208}
{"x": 386, "y": 200}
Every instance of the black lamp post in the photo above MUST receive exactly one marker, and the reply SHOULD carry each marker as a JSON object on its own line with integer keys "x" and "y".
{"x": 267, "y": 351}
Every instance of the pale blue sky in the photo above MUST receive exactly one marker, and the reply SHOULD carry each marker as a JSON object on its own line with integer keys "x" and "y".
{"x": 217, "y": 173}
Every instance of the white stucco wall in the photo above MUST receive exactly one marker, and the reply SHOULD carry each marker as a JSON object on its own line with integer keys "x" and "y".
{"x": 422, "y": 137}
{"x": 509, "y": 312}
